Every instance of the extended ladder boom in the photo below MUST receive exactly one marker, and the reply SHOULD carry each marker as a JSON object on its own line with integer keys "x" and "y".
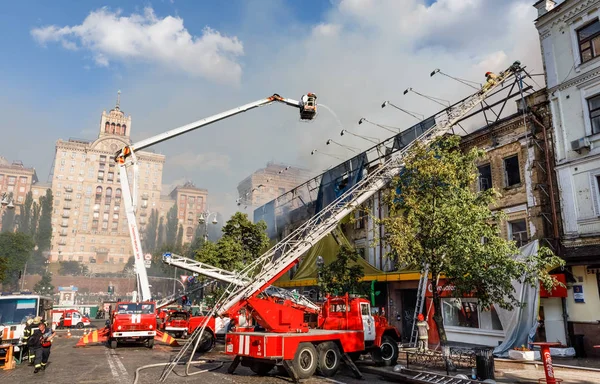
{"x": 126, "y": 157}
{"x": 233, "y": 278}
{"x": 279, "y": 259}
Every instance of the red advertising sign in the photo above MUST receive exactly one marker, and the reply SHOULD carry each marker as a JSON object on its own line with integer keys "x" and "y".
{"x": 558, "y": 291}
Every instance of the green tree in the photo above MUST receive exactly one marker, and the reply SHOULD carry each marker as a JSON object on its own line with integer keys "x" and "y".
{"x": 439, "y": 220}
{"x": 44, "y": 232}
{"x": 35, "y": 218}
{"x": 171, "y": 227}
{"x": 44, "y": 286}
{"x": 15, "y": 249}
{"x": 72, "y": 268}
{"x": 160, "y": 236}
{"x": 241, "y": 243}
{"x": 150, "y": 233}
{"x": 179, "y": 239}
{"x": 343, "y": 274}
{"x": 25, "y": 222}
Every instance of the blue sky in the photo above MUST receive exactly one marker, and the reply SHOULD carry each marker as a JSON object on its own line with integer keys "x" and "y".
{"x": 62, "y": 66}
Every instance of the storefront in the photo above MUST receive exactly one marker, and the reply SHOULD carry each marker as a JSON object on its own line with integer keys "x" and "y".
{"x": 464, "y": 320}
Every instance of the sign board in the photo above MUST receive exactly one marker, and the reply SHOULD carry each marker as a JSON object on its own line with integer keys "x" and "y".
{"x": 183, "y": 278}
{"x": 147, "y": 263}
{"x": 578, "y": 293}
{"x": 148, "y": 256}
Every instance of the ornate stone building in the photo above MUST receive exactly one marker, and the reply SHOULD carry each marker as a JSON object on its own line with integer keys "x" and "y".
{"x": 16, "y": 179}
{"x": 89, "y": 222}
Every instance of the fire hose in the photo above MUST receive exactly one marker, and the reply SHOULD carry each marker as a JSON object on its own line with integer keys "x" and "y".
{"x": 202, "y": 361}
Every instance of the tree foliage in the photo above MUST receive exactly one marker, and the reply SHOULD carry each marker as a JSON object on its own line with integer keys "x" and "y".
{"x": 15, "y": 249}
{"x": 44, "y": 286}
{"x": 44, "y": 231}
{"x": 171, "y": 226}
{"x": 343, "y": 274}
{"x": 25, "y": 218}
{"x": 9, "y": 217}
{"x": 438, "y": 219}
{"x": 160, "y": 236}
{"x": 179, "y": 239}
{"x": 150, "y": 232}
{"x": 241, "y": 243}
{"x": 72, "y": 268}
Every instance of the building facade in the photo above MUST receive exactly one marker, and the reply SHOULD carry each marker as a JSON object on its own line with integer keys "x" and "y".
{"x": 191, "y": 204}
{"x": 570, "y": 41}
{"x": 16, "y": 181}
{"x": 270, "y": 182}
{"x": 89, "y": 222}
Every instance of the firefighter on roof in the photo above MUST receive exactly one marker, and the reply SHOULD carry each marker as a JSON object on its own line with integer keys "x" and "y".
{"x": 490, "y": 81}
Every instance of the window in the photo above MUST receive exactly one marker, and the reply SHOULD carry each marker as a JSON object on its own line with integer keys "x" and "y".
{"x": 23, "y": 180}
{"x": 517, "y": 231}
{"x": 589, "y": 41}
{"x": 594, "y": 107}
{"x": 485, "y": 177}
{"x": 360, "y": 216}
{"x": 512, "y": 173}
{"x": 465, "y": 312}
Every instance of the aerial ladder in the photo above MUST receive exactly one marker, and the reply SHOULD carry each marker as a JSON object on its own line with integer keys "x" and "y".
{"x": 297, "y": 300}
{"x": 126, "y": 157}
{"x": 273, "y": 264}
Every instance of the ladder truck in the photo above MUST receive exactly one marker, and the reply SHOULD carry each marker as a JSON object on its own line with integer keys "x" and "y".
{"x": 217, "y": 326}
{"x": 345, "y": 328}
{"x": 136, "y": 320}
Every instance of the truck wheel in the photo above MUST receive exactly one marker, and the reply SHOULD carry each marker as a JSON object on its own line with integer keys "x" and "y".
{"x": 261, "y": 368}
{"x": 80, "y": 325}
{"x": 328, "y": 361}
{"x": 305, "y": 360}
{"x": 208, "y": 341}
{"x": 387, "y": 353}
{"x": 150, "y": 343}
{"x": 112, "y": 344}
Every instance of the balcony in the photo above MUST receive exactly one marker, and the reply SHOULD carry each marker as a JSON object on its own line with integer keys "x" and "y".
{"x": 62, "y": 242}
{"x": 67, "y": 206}
{"x": 68, "y": 189}
{"x": 145, "y": 196}
{"x": 64, "y": 225}
{"x": 63, "y": 233}
{"x": 66, "y": 215}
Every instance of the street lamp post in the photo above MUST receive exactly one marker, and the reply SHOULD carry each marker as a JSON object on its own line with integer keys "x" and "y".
{"x": 203, "y": 219}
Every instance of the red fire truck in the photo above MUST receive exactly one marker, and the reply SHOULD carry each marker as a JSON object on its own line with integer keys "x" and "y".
{"x": 133, "y": 321}
{"x": 346, "y": 328}
{"x": 177, "y": 323}
{"x": 69, "y": 318}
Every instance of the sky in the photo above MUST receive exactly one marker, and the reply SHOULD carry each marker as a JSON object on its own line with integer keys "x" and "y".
{"x": 179, "y": 61}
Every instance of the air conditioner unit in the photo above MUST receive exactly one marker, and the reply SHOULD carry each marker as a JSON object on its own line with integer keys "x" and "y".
{"x": 578, "y": 145}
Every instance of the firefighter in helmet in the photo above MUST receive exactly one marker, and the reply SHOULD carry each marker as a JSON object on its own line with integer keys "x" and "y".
{"x": 41, "y": 342}
{"x": 27, "y": 332}
{"x": 423, "y": 329}
{"x": 490, "y": 81}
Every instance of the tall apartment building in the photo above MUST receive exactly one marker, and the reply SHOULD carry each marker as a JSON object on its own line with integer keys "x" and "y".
{"x": 270, "y": 182}
{"x": 89, "y": 222}
{"x": 570, "y": 41}
{"x": 191, "y": 203}
{"x": 16, "y": 179}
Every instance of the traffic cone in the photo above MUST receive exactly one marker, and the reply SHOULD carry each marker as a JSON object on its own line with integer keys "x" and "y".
{"x": 68, "y": 333}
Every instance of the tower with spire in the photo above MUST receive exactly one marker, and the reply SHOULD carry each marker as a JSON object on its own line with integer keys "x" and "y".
{"x": 115, "y": 122}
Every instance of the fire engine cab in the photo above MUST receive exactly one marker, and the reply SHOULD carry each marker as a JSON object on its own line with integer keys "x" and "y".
{"x": 133, "y": 321}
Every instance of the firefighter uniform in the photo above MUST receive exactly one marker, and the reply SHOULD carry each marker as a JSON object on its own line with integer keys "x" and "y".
{"x": 27, "y": 332}
{"x": 40, "y": 343}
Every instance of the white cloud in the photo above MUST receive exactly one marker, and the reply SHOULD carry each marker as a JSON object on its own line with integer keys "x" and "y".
{"x": 111, "y": 36}
{"x": 357, "y": 55}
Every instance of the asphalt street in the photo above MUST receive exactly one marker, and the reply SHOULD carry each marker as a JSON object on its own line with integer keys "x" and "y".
{"x": 99, "y": 364}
